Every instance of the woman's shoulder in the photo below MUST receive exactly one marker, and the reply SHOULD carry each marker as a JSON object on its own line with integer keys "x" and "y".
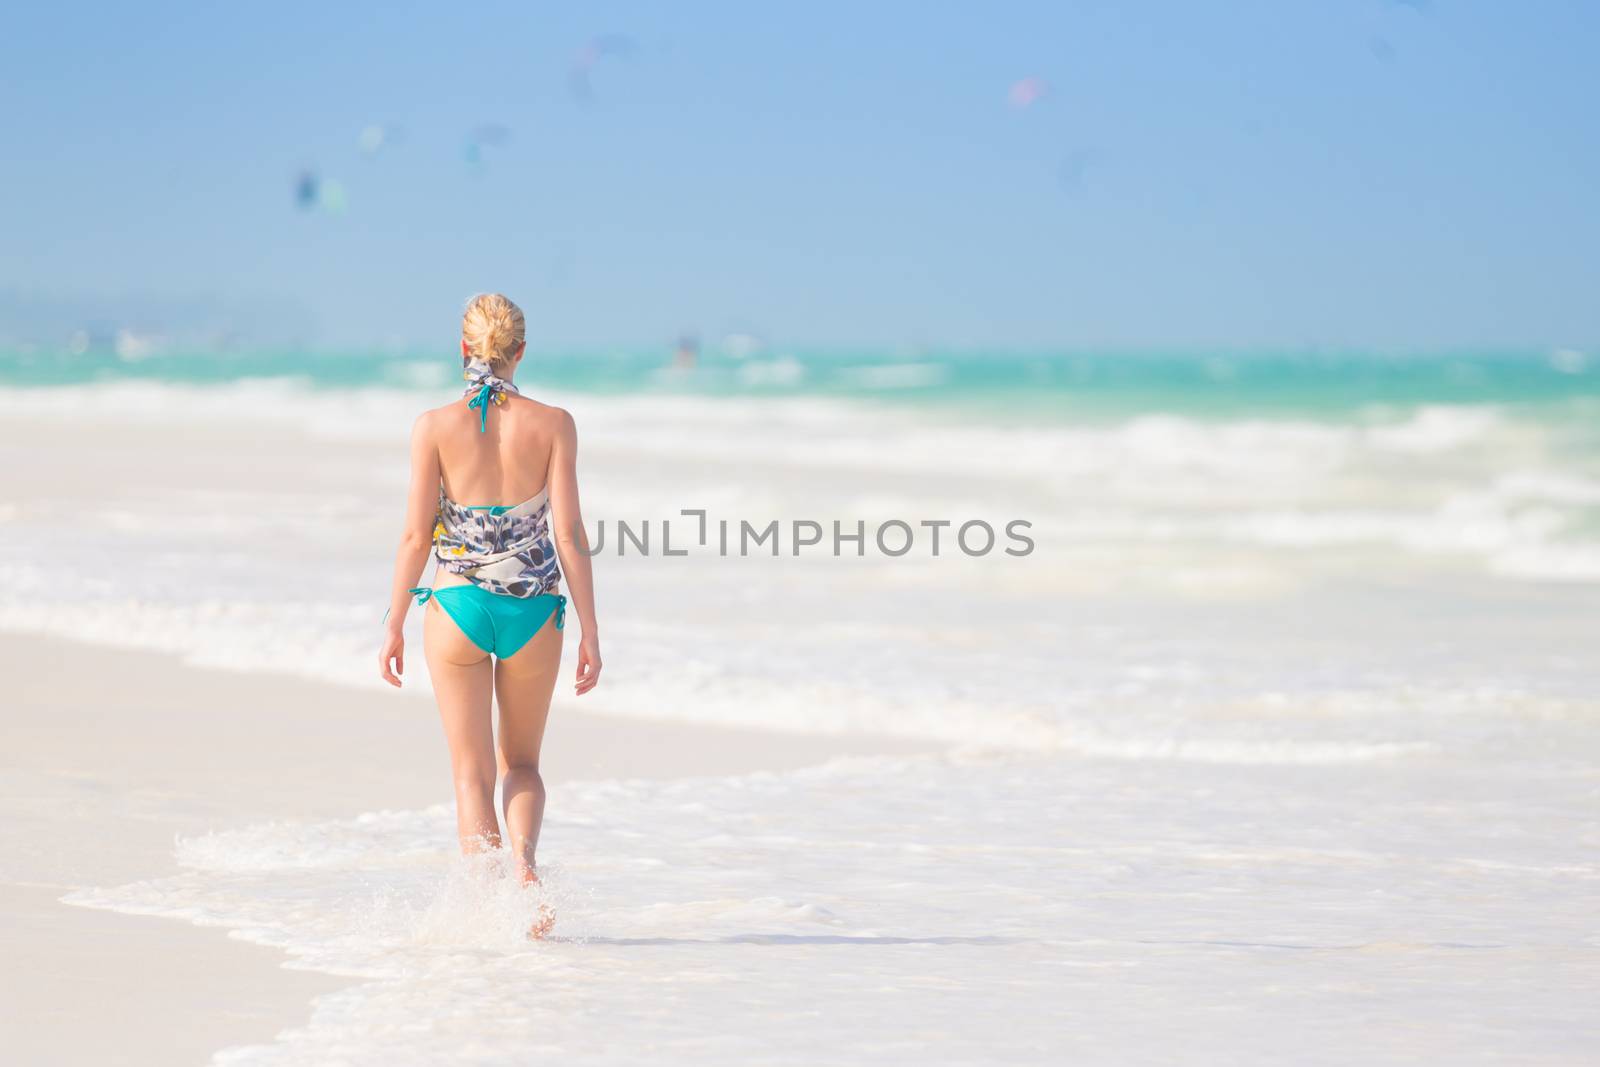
{"x": 431, "y": 418}
{"x": 559, "y": 418}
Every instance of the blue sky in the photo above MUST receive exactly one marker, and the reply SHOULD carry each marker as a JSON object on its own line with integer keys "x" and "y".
{"x": 1273, "y": 173}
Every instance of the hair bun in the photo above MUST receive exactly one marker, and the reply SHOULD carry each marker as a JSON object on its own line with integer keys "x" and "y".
{"x": 493, "y": 328}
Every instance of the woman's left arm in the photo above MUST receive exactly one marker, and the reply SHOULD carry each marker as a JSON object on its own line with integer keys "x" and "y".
{"x": 422, "y": 508}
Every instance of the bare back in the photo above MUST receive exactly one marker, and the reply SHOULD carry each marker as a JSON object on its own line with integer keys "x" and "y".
{"x": 503, "y": 464}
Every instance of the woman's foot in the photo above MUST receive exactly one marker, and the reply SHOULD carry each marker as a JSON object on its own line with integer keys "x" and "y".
{"x": 545, "y": 921}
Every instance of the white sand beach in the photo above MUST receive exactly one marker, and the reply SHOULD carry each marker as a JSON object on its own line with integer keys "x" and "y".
{"x": 109, "y": 754}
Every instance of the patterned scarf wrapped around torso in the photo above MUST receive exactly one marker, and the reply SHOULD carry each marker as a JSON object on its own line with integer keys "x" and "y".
{"x": 510, "y": 553}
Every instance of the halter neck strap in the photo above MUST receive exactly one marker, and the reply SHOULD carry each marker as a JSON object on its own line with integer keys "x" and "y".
{"x": 485, "y": 387}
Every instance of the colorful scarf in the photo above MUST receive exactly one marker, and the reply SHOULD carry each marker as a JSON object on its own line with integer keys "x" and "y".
{"x": 490, "y": 388}
{"x": 503, "y": 550}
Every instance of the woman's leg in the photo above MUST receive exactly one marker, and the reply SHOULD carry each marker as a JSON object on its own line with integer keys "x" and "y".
{"x": 523, "y": 683}
{"x": 463, "y": 682}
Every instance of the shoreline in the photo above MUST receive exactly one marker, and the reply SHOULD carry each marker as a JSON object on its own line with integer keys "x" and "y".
{"x": 112, "y": 753}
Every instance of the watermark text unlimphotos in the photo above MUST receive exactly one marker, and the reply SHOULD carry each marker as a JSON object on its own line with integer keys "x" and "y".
{"x": 727, "y": 537}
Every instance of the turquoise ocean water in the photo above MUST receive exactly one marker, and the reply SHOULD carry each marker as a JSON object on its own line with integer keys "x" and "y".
{"x": 1033, "y": 385}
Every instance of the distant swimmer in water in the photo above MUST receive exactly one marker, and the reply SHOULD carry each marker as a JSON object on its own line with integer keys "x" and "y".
{"x": 496, "y": 500}
{"x": 687, "y": 353}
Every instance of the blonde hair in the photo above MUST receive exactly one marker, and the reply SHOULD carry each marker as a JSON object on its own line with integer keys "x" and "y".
{"x": 493, "y": 329}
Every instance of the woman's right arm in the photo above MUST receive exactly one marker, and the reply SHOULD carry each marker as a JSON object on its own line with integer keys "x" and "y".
{"x": 572, "y": 547}
{"x": 416, "y": 540}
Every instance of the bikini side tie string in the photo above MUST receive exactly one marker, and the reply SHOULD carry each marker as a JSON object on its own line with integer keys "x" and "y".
{"x": 423, "y": 594}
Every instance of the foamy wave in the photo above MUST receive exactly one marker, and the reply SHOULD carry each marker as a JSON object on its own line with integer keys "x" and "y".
{"x": 1200, "y": 750}
{"x": 310, "y": 639}
{"x": 1448, "y": 480}
{"x": 372, "y": 839}
{"x": 1478, "y": 480}
{"x": 1550, "y": 563}
{"x": 691, "y": 914}
{"x": 675, "y": 682}
{"x": 828, "y": 433}
{"x": 1436, "y": 428}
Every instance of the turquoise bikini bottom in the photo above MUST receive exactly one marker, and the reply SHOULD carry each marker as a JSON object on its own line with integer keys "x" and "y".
{"x": 496, "y": 623}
